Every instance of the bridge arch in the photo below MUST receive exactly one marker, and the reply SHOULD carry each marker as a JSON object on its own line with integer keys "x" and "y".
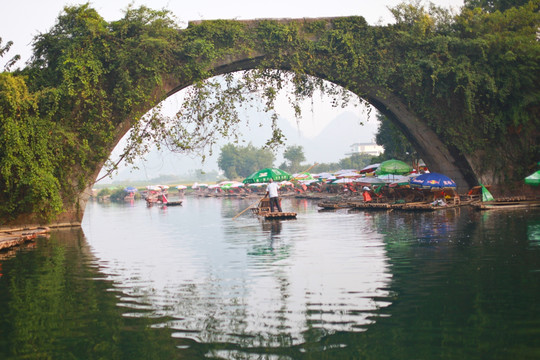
{"x": 426, "y": 95}
{"x": 429, "y": 146}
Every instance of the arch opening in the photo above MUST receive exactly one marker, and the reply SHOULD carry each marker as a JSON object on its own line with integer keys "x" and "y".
{"x": 226, "y": 94}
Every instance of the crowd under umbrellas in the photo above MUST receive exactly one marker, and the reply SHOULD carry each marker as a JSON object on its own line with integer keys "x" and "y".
{"x": 390, "y": 180}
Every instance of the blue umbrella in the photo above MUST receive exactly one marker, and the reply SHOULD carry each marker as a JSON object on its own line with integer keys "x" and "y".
{"x": 130, "y": 189}
{"x": 432, "y": 181}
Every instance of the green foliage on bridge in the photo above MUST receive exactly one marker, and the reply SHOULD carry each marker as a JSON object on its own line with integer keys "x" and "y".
{"x": 473, "y": 78}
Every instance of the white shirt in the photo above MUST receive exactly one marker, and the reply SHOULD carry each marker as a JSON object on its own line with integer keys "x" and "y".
{"x": 272, "y": 189}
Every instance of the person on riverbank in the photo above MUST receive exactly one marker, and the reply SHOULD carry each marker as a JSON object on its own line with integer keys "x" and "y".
{"x": 273, "y": 195}
{"x": 366, "y": 195}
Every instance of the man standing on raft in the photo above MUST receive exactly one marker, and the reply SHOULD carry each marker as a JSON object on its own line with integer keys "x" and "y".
{"x": 272, "y": 193}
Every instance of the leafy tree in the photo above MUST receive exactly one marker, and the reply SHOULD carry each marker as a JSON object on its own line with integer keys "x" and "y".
{"x": 242, "y": 161}
{"x": 494, "y": 5}
{"x": 295, "y": 155}
{"x": 355, "y": 161}
{"x": 105, "y": 192}
{"x": 4, "y": 49}
{"x": 395, "y": 144}
{"x": 30, "y": 155}
{"x": 325, "y": 167}
{"x": 59, "y": 116}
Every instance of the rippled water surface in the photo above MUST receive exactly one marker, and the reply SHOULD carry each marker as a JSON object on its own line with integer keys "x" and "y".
{"x": 191, "y": 282}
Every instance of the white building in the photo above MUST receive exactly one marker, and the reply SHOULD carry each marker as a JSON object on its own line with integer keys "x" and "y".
{"x": 366, "y": 148}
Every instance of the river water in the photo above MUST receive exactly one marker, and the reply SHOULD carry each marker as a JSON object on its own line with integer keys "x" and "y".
{"x": 191, "y": 282}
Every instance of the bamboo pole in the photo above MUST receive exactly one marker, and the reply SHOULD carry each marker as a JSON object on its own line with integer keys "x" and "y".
{"x": 309, "y": 168}
{"x": 243, "y": 211}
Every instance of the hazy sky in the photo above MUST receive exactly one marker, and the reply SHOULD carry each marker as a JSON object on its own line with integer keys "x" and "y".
{"x": 24, "y": 19}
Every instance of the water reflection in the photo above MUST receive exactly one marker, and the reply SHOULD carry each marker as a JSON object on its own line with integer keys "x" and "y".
{"x": 247, "y": 281}
{"x": 191, "y": 282}
{"x": 56, "y": 305}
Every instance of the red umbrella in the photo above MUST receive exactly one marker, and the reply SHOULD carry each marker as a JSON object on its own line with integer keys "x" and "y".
{"x": 369, "y": 168}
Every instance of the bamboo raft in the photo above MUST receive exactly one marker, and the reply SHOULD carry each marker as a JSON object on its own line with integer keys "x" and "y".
{"x": 173, "y": 203}
{"x": 422, "y": 206}
{"x": 9, "y": 239}
{"x": 277, "y": 215}
{"x": 412, "y": 206}
{"x": 506, "y": 204}
{"x": 334, "y": 205}
{"x": 263, "y": 210}
{"x": 372, "y": 206}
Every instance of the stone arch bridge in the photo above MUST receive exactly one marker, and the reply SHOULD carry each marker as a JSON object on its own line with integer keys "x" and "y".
{"x": 343, "y": 51}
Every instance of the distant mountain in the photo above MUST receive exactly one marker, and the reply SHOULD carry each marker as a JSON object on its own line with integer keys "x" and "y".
{"x": 334, "y": 142}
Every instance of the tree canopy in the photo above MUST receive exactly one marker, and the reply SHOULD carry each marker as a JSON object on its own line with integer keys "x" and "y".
{"x": 242, "y": 161}
{"x": 395, "y": 144}
{"x": 294, "y": 154}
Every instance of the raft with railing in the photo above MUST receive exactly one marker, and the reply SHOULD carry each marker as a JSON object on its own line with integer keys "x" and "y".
{"x": 507, "y": 203}
{"x": 263, "y": 210}
{"x": 406, "y": 206}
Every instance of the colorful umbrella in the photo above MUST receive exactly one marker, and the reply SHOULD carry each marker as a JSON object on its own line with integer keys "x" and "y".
{"x": 369, "y": 168}
{"x": 348, "y": 174}
{"x": 130, "y": 189}
{"x": 432, "y": 181}
{"x": 394, "y": 167}
{"x": 307, "y": 182}
{"x": 343, "y": 181}
{"x": 302, "y": 176}
{"x": 370, "y": 180}
{"x": 229, "y": 184}
{"x": 323, "y": 175}
{"x": 265, "y": 175}
{"x": 343, "y": 171}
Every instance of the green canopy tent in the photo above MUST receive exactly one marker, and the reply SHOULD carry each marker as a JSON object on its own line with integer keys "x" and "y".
{"x": 265, "y": 175}
{"x": 393, "y": 167}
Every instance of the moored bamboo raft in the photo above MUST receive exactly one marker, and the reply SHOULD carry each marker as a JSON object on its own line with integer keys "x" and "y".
{"x": 373, "y": 206}
{"x": 9, "y": 239}
{"x": 421, "y": 206}
{"x": 505, "y": 204}
{"x": 414, "y": 206}
{"x": 173, "y": 203}
{"x": 334, "y": 205}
